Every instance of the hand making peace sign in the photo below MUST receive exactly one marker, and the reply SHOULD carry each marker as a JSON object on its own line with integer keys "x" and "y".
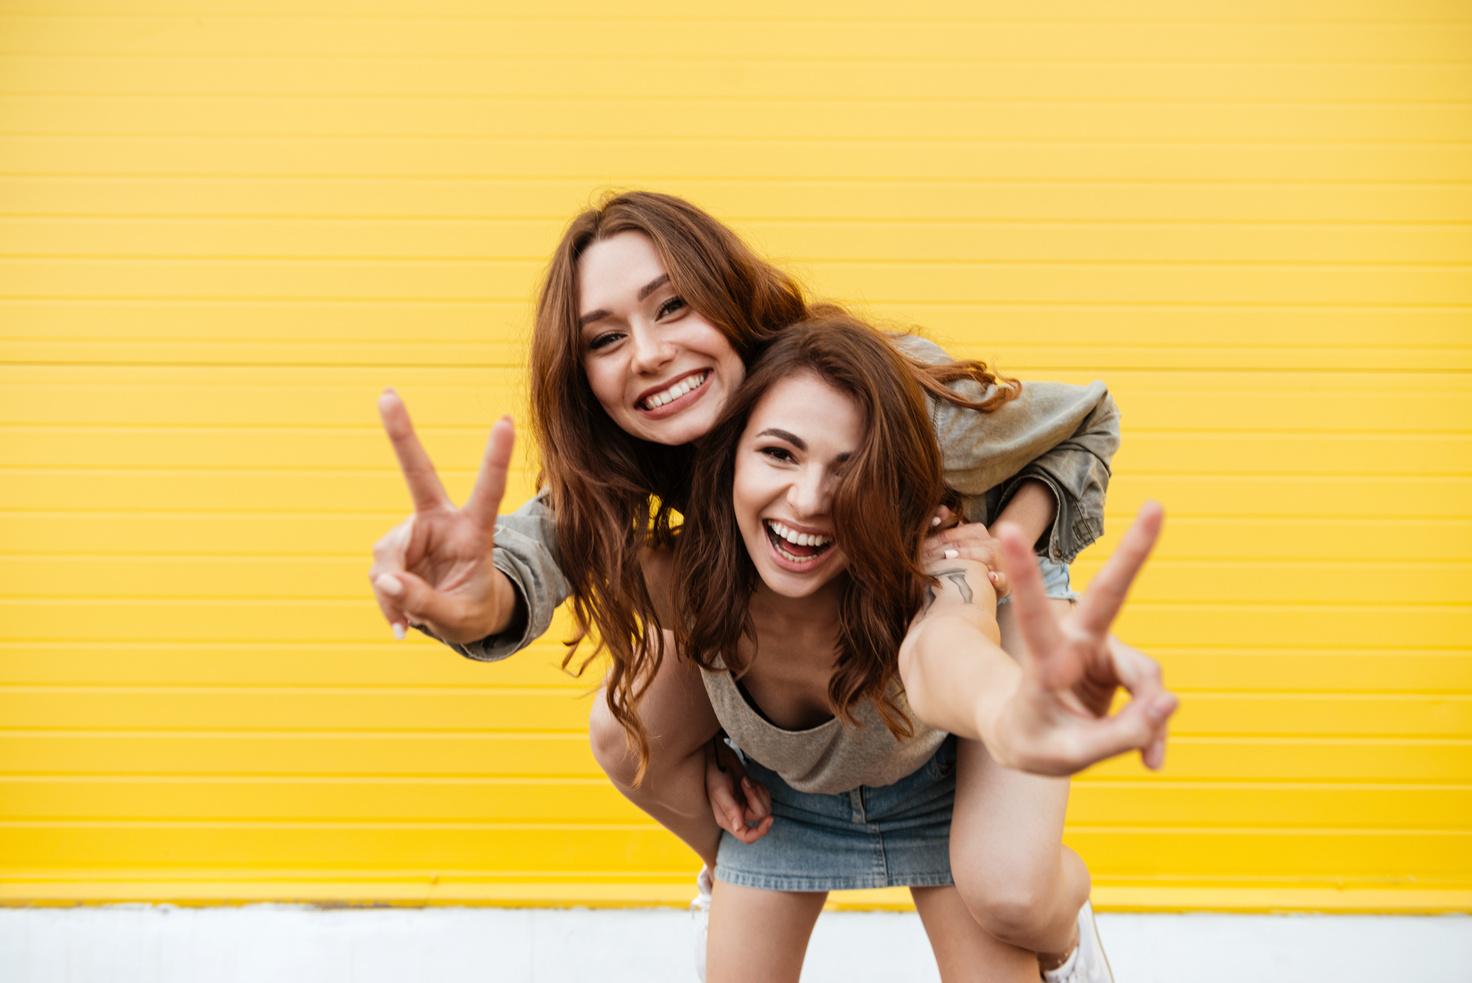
{"x": 1058, "y": 722}
{"x": 434, "y": 568}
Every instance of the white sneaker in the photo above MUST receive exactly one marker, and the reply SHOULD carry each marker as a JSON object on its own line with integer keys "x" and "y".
{"x": 1088, "y": 963}
{"x": 700, "y": 911}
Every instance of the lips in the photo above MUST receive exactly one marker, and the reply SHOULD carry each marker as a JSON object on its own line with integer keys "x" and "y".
{"x": 651, "y": 401}
{"x": 794, "y": 546}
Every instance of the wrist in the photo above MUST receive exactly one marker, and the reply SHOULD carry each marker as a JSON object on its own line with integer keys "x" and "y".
{"x": 994, "y": 726}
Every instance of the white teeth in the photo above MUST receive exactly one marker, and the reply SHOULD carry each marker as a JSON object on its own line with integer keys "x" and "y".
{"x": 675, "y": 392}
{"x": 798, "y": 538}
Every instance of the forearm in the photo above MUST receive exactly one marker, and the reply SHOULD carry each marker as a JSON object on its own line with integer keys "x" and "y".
{"x": 1032, "y": 509}
{"x": 957, "y": 678}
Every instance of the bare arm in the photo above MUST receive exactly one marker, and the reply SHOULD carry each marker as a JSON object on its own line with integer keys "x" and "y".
{"x": 1049, "y": 715}
{"x": 956, "y": 676}
{"x": 1031, "y": 509}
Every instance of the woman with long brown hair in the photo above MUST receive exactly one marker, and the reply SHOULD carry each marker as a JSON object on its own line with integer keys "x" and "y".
{"x": 649, "y": 315}
{"x": 840, "y": 666}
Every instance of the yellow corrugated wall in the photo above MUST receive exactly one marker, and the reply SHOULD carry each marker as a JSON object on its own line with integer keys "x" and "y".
{"x": 226, "y": 224}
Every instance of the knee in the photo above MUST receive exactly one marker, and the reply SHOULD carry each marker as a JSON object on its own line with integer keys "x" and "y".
{"x": 1014, "y": 916}
{"x": 1012, "y": 905}
{"x": 610, "y": 745}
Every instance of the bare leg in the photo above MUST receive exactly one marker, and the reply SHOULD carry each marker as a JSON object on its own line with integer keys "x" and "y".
{"x": 963, "y": 951}
{"x": 1019, "y": 881}
{"x": 680, "y": 722}
{"x": 760, "y": 935}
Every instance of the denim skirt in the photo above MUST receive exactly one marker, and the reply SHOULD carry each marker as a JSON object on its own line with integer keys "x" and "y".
{"x": 891, "y": 836}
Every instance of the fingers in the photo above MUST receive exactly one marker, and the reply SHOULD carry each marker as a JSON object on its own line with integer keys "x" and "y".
{"x": 490, "y": 484}
{"x": 388, "y": 558}
{"x": 396, "y": 619}
{"x": 758, "y": 801}
{"x": 419, "y": 602}
{"x": 1036, "y": 622}
{"x": 1106, "y": 595}
{"x": 1140, "y": 674}
{"x": 722, "y": 791}
{"x": 1140, "y": 726}
{"x": 750, "y": 834}
{"x": 419, "y": 474}
{"x": 747, "y": 816}
{"x": 1001, "y": 583}
{"x": 1153, "y": 756}
{"x": 1135, "y": 670}
{"x": 969, "y": 540}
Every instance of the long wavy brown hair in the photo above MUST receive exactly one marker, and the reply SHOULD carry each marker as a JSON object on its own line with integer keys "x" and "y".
{"x": 613, "y": 494}
{"x": 883, "y": 504}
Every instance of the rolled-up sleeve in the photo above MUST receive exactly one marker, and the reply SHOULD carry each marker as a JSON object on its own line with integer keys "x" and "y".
{"x": 1060, "y": 434}
{"x": 1077, "y": 471}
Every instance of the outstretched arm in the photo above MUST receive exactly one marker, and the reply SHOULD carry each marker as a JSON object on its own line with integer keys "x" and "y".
{"x": 1049, "y": 714}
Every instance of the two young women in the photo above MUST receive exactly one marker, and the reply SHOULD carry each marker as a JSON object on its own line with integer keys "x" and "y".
{"x": 651, "y": 313}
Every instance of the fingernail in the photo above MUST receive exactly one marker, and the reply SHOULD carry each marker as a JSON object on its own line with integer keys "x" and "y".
{"x": 935, "y": 521}
{"x": 993, "y": 576}
{"x": 399, "y": 632}
{"x": 950, "y": 554}
{"x": 390, "y": 585}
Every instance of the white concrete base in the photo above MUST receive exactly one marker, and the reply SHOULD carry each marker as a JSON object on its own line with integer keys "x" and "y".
{"x": 288, "y": 944}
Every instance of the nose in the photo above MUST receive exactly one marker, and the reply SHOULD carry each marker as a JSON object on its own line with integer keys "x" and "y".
{"x": 650, "y": 350}
{"x": 810, "y": 493}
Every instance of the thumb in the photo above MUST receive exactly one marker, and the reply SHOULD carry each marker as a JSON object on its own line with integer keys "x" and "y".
{"x": 415, "y": 598}
{"x": 723, "y": 801}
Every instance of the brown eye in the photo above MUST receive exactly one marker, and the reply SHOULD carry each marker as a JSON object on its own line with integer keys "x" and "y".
{"x": 778, "y": 454}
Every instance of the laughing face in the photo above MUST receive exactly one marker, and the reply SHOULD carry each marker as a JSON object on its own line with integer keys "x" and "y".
{"x": 787, "y": 462}
{"x": 660, "y": 370}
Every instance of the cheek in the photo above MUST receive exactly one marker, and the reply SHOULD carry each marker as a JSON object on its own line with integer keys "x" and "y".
{"x": 734, "y": 369}
{"x": 745, "y": 499}
{"x": 606, "y": 385}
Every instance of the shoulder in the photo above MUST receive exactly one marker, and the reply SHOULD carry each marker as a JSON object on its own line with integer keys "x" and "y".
{"x": 917, "y": 347}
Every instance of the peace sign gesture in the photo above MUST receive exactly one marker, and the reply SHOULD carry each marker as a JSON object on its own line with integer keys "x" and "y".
{"x": 435, "y": 568}
{"x": 1057, "y": 721}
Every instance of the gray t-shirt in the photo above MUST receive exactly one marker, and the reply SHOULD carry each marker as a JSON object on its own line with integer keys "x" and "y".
{"x": 1062, "y": 435}
{"x": 829, "y": 758}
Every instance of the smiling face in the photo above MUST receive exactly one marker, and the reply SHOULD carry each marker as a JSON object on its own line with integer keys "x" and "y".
{"x": 795, "y": 445}
{"x": 659, "y": 369}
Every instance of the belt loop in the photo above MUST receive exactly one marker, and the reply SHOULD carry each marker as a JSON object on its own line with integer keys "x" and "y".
{"x": 856, "y": 800}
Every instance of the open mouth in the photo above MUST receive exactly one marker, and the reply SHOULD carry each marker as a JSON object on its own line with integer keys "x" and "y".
{"x": 666, "y": 396}
{"x": 798, "y": 547}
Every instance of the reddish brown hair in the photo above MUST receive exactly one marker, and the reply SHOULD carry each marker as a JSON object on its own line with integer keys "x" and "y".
{"x": 882, "y": 509}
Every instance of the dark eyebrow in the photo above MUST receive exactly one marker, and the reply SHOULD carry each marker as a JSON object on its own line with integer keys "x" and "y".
{"x": 791, "y": 438}
{"x": 796, "y": 441}
{"x": 653, "y": 285}
{"x": 644, "y": 291}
